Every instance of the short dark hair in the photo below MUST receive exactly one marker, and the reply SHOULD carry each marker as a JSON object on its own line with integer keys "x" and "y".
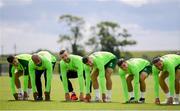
{"x": 120, "y": 61}
{"x": 155, "y": 60}
{"x": 62, "y": 52}
{"x": 85, "y": 59}
{"x": 10, "y": 59}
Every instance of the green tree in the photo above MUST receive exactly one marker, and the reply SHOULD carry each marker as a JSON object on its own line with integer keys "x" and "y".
{"x": 74, "y": 25}
{"x": 126, "y": 39}
{"x": 110, "y": 37}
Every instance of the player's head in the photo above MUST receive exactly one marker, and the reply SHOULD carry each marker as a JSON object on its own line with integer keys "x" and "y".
{"x": 36, "y": 59}
{"x": 157, "y": 62}
{"x": 122, "y": 64}
{"x": 87, "y": 60}
{"x": 12, "y": 60}
{"x": 63, "y": 54}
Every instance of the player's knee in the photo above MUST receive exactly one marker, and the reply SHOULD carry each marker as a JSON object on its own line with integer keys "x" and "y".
{"x": 16, "y": 78}
{"x": 177, "y": 77}
{"x": 162, "y": 78}
{"x": 107, "y": 75}
{"x": 18, "y": 74}
{"x": 178, "y": 72}
{"x": 141, "y": 80}
{"x": 164, "y": 75}
{"x": 109, "y": 71}
{"x": 129, "y": 78}
{"x": 143, "y": 77}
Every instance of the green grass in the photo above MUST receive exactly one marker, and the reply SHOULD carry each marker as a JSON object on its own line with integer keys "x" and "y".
{"x": 57, "y": 95}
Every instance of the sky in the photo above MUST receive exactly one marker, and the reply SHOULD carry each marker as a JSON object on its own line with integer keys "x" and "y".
{"x": 34, "y": 24}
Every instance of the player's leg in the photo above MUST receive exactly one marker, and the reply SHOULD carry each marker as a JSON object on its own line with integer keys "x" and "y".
{"x": 109, "y": 68}
{"x": 162, "y": 81}
{"x": 177, "y": 87}
{"x": 108, "y": 74}
{"x": 142, "y": 79}
{"x": 94, "y": 76}
{"x": 29, "y": 86}
{"x": 17, "y": 81}
{"x": 27, "y": 93}
{"x": 39, "y": 84}
{"x": 18, "y": 74}
{"x": 72, "y": 75}
{"x": 70, "y": 87}
{"x": 129, "y": 79}
{"x": 143, "y": 75}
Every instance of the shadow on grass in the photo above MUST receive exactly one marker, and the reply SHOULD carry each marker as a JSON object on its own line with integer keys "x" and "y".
{"x": 29, "y": 101}
{"x": 63, "y": 101}
{"x": 134, "y": 103}
{"x": 168, "y": 105}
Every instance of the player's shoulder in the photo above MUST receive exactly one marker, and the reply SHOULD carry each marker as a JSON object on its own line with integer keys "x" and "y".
{"x": 24, "y": 56}
{"x": 75, "y": 57}
{"x": 45, "y": 59}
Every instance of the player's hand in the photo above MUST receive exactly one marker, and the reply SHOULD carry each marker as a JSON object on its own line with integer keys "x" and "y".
{"x": 15, "y": 96}
{"x": 104, "y": 97}
{"x": 35, "y": 95}
{"x": 47, "y": 96}
{"x": 81, "y": 97}
{"x": 170, "y": 100}
{"x": 25, "y": 97}
{"x": 157, "y": 101}
{"x": 67, "y": 97}
{"x": 87, "y": 98}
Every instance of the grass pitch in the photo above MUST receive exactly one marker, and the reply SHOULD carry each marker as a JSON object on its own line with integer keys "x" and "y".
{"x": 57, "y": 102}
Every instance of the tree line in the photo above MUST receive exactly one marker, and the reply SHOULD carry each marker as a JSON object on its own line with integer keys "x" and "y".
{"x": 104, "y": 36}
